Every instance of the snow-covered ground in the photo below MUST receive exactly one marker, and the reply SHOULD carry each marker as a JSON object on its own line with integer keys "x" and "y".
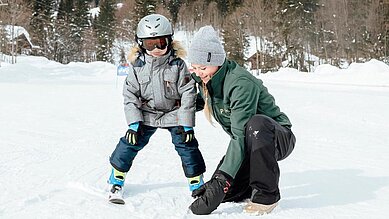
{"x": 60, "y": 123}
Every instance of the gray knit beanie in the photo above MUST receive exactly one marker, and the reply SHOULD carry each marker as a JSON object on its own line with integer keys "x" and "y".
{"x": 206, "y": 48}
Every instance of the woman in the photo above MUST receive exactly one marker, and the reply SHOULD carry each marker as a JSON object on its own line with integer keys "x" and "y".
{"x": 260, "y": 133}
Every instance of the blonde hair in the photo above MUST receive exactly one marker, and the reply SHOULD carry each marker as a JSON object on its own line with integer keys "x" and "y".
{"x": 207, "y": 108}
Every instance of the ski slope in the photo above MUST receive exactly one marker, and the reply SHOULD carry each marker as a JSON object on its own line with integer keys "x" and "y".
{"x": 60, "y": 123}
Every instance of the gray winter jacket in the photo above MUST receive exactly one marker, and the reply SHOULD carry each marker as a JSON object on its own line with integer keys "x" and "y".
{"x": 159, "y": 91}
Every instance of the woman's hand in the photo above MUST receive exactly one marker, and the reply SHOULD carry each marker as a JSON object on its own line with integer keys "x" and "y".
{"x": 211, "y": 194}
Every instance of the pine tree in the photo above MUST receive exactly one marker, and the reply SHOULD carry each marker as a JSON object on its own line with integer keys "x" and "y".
{"x": 68, "y": 7}
{"x": 90, "y": 44}
{"x": 126, "y": 25}
{"x": 105, "y": 30}
{"x": 174, "y": 7}
{"x": 61, "y": 50}
{"x": 143, "y": 8}
{"x": 377, "y": 27}
{"x": 329, "y": 26}
{"x": 357, "y": 26}
{"x": 235, "y": 40}
{"x": 63, "y": 42}
{"x": 3, "y": 39}
{"x": 228, "y": 6}
{"x": 295, "y": 21}
{"x": 42, "y": 26}
{"x": 223, "y": 6}
{"x": 82, "y": 18}
{"x": 384, "y": 38}
{"x": 82, "y": 23}
{"x": 62, "y": 13}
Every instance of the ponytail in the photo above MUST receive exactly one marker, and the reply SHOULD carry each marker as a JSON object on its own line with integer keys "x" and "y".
{"x": 207, "y": 108}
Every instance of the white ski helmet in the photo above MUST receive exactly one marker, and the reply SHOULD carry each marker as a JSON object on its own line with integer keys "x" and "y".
{"x": 154, "y": 25}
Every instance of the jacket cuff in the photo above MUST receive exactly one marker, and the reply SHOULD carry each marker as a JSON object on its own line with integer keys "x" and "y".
{"x": 186, "y": 118}
{"x": 226, "y": 176}
{"x": 134, "y": 116}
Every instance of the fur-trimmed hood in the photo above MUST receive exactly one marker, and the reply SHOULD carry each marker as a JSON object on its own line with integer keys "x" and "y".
{"x": 179, "y": 51}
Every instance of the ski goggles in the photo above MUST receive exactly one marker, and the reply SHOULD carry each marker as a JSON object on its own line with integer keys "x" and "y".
{"x": 152, "y": 43}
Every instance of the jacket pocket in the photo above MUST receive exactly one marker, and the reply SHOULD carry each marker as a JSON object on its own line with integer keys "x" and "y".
{"x": 170, "y": 86}
{"x": 144, "y": 83}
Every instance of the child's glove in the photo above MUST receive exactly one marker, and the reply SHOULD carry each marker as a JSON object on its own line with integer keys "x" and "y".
{"x": 187, "y": 133}
{"x": 211, "y": 194}
{"x": 132, "y": 133}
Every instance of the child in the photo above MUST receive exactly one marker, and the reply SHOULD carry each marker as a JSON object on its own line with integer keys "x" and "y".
{"x": 158, "y": 93}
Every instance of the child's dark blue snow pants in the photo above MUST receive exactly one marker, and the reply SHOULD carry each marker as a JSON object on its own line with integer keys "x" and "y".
{"x": 191, "y": 158}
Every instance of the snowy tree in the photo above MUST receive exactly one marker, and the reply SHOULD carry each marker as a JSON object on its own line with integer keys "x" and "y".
{"x": 89, "y": 45}
{"x": 356, "y": 26}
{"x": 3, "y": 40}
{"x": 295, "y": 23}
{"x": 63, "y": 43}
{"x": 174, "y": 8}
{"x": 81, "y": 24}
{"x": 143, "y": 8}
{"x": 365, "y": 25}
{"x": 235, "y": 39}
{"x": 227, "y": 6}
{"x": 125, "y": 21}
{"x": 349, "y": 30}
{"x": 378, "y": 26}
{"x": 105, "y": 30}
{"x": 42, "y": 26}
{"x": 256, "y": 14}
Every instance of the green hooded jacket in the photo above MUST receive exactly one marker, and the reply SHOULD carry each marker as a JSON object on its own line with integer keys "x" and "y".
{"x": 235, "y": 95}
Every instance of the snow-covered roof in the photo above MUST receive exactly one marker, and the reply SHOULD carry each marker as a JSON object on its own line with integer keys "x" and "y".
{"x": 267, "y": 45}
{"x": 252, "y": 48}
{"x": 17, "y": 31}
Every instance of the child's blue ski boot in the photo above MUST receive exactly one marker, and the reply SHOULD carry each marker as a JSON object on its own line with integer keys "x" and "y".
{"x": 116, "y": 181}
{"x": 195, "y": 182}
